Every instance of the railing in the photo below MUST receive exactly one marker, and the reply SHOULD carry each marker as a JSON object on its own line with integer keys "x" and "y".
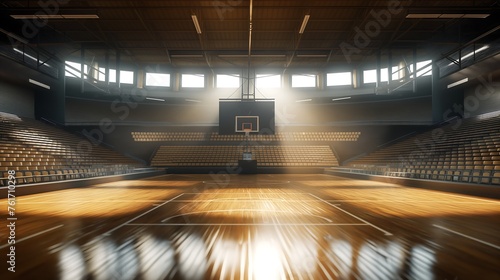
{"x": 470, "y": 53}
{"x": 33, "y": 57}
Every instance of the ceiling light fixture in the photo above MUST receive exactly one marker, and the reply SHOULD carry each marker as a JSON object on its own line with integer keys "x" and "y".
{"x": 312, "y": 55}
{"x": 89, "y": 16}
{"x": 303, "y": 100}
{"x": 233, "y": 55}
{"x": 186, "y": 55}
{"x": 254, "y": 55}
{"x": 462, "y": 81}
{"x": 155, "y": 99}
{"x": 269, "y": 55}
{"x": 341, "y": 98}
{"x": 447, "y": 15}
{"x": 40, "y": 84}
{"x": 304, "y": 24}
{"x": 67, "y": 14}
{"x": 196, "y": 24}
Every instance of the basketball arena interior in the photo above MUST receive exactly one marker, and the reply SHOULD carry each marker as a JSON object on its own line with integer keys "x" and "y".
{"x": 250, "y": 139}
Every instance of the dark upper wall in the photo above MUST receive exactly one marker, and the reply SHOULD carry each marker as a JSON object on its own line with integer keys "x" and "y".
{"x": 480, "y": 94}
{"x": 16, "y": 99}
{"x": 125, "y": 111}
{"x": 16, "y": 96}
{"x": 406, "y": 110}
{"x": 20, "y": 97}
{"x": 482, "y": 99}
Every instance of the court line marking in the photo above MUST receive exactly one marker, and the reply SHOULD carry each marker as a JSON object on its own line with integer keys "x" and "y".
{"x": 415, "y": 201}
{"x": 31, "y": 236}
{"x": 352, "y": 215}
{"x": 467, "y": 236}
{"x": 243, "y": 210}
{"x": 245, "y": 224}
{"x": 94, "y": 201}
{"x": 273, "y": 182}
{"x": 221, "y": 200}
{"x": 329, "y": 200}
{"x": 145, "y": 213}
{"x": 247, "y": 193}
{"x": 163, "y": 175}
{"x": 55, "y": 193}
{"x": 464, "y": 197}
{"x": 490, "y": 200}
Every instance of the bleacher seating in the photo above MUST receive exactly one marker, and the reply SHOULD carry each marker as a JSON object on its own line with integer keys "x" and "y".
{"x": 467, "y": 151}
{"x": 168, "y": 136}
{"x": 266, "y": 156}
{"x": 327, "y": 136}
{"x": 39, "y": 152}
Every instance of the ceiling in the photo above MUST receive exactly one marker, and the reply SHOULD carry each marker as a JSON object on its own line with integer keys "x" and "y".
{"x": 161, "y": 32}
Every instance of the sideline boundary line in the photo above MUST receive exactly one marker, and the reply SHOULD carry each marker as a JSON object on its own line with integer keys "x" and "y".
{"x": 352, "y": 215}
{"x": 145, "y": 213}
{"x": 245, "y": 224}
{"x": 31, "y": 236}
{"x": 467, "y": 236}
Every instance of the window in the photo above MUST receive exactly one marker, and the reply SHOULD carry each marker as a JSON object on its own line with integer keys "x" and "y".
{"x": 112, "y": 75}
{"x": 157, "y": 80}
{"x": 101, "y": 75}
{"x": 228, "y": 81}
{"x": 339, "y": 79}
{"x": 193, "y": 81}
{"x": 73, "y": 69}
{"x": 126, "y": 77}
{"x": 303, "y": 81}
{"x": 370, "y": 76}
{"x": 395, "y": 73}
{"x": 384, "y": 74}
{"x": 421, "y": 71}
{"x": 268, "y": 81}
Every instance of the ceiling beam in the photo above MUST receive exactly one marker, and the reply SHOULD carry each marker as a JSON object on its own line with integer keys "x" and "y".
{"x": 162, "y": 4}
{"x": 151, "y": 33}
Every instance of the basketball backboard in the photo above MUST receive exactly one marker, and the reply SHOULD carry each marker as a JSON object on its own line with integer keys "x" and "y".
{"x": 247, "y": 124}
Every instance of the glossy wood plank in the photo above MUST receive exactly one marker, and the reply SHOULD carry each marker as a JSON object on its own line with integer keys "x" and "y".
{"x": 253, "y": 227}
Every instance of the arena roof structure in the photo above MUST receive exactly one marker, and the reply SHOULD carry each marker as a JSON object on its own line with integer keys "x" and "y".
{"x": 276, "y": 33}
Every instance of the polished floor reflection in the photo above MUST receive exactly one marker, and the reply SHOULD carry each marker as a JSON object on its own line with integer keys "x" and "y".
{"x": 253, "y": 227}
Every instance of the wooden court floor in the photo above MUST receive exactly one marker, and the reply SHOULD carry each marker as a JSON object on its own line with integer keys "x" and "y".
{"x": 251, "y": 227}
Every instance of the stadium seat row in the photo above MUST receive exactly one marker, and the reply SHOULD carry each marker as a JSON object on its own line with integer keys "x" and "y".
{"x": 467, "y": 151}
{"x": 39, "y": 152}
{"x": 229, "y": 155}
{"x": 214, "y": 136}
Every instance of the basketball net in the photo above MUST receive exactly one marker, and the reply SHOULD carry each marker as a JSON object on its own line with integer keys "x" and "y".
{"x": 247, "y": 132}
